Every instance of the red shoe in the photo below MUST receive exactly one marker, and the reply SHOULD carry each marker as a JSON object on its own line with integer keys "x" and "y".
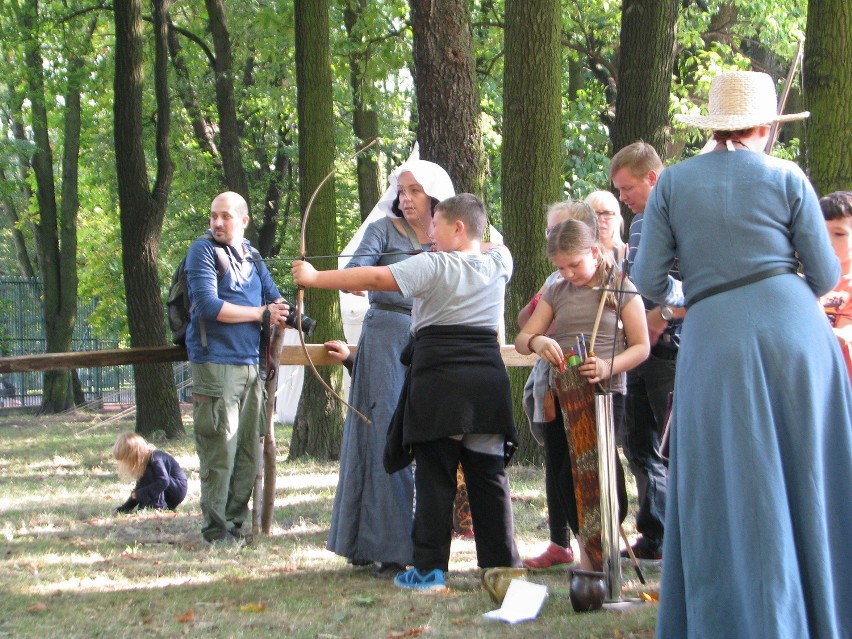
{"x": 555, "y": 555}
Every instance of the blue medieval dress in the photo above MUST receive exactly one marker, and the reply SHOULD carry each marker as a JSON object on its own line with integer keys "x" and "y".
{"x": 373, "y": 512}
{"x": 759, "y": 512}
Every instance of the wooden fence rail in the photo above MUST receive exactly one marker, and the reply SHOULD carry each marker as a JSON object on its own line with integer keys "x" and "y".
{"x": 290, "y": 355}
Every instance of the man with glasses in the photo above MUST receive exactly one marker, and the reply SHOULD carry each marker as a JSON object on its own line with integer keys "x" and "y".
{"x": 634, "y": 171}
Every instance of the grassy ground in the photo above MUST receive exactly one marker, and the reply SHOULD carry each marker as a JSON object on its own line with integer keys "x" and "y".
{"x": 70, "y": 567}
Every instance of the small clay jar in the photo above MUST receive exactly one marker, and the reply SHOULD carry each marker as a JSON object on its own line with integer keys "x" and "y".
{"x": 588, "y": 590}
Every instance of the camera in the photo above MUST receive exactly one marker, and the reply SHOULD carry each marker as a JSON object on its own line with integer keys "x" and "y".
{"x": 308, "y": 324}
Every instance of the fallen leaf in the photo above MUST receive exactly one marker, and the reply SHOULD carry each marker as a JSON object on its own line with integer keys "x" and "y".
{"x": 411, "y": 632}
{"x": 253, "y": 607}
{"x": 186, "y": 617}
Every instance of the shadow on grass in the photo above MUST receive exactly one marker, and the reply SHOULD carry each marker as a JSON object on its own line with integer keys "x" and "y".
{"x": 298, "y": 601}
{"x": 70, "y": 567}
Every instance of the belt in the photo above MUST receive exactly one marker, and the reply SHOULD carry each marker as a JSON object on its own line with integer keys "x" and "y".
{"x": 393, "y": 308}
{"x": 743, "y": 281}
{"x": 661, "y": 352}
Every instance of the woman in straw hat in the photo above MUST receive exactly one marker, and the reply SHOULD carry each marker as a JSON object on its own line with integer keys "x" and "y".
{"x": 759, "y": 510}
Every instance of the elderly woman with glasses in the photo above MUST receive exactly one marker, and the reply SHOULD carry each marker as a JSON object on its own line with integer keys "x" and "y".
{"x": 610, "y": 222}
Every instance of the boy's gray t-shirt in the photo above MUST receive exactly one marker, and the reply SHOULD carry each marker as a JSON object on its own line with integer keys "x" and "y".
{"x": 455, "y": 288}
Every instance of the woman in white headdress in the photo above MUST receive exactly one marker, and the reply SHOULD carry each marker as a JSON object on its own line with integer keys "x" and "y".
{"x": 758, "y": 513}
{"x": 373, "y": 512}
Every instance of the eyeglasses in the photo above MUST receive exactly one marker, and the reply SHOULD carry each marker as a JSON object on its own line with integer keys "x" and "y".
{"x": 607, "y": 215}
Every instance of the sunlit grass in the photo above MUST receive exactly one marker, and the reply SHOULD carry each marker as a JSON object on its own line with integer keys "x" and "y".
{"x": 71, "y": 567}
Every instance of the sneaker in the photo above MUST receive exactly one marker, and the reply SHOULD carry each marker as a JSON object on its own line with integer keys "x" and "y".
{"x": 416, "y": 580}
{"x": 555, "y": 555}
{"x": 644, "y": 549}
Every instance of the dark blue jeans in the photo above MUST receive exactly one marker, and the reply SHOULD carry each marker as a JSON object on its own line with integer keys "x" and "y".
{"x": 648, "y": 388}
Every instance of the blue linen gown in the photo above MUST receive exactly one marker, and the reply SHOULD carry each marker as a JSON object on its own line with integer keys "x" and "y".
{"x": 760, "y": 512}
{"x": 373, "y": 512}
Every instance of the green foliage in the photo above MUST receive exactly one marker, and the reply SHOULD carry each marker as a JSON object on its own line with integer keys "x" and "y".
{"x": 762, "y": 34}
{"x": 585, "y": 141}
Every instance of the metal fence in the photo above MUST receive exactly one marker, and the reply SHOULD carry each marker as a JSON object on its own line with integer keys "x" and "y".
{"x": 22, "y": 333}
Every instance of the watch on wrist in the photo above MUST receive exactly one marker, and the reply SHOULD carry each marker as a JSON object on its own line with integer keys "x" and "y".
{"x": 666, "y": 313}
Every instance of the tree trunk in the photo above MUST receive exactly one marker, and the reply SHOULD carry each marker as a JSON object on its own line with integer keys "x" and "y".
{"x": 828, "y": 95}
{"x": 9, "y": 205}
{"x": 55, "y": 232}
{"x": 274, "y": 213}
{"x": 264, "y": 493}
{"x": 365, "y": 121}
{"x": 646, "y": 64}
{"x": 12, "y": 203}
{"x": 142, "y": 211}
{"x": 531, "y": 160}
{"x": 448, "y": 128}
{"x": 319, "y": 418}
{"x": 201, "y": 126}
{"x": 229, "y": 129}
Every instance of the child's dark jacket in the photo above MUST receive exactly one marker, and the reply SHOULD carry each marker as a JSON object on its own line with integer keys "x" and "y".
{"x": 162, "y": 485}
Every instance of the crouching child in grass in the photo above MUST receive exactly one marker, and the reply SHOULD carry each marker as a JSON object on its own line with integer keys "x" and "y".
{"x": 456, "y": 404}
{"x": 160, "y": 481}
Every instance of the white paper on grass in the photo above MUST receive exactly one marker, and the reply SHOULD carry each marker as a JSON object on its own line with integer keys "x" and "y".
{"x": 523, "y": 602}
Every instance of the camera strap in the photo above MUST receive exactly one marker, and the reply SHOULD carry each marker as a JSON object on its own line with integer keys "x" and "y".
{"x": 266, "y": 369}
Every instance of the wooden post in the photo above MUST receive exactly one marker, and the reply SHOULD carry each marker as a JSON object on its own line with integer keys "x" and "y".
{"x": 267, "y": 507}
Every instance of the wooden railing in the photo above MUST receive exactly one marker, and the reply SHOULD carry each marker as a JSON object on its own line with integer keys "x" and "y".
{"x": 290, "y": 355}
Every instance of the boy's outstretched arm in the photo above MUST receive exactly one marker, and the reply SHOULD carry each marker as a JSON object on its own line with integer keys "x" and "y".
{"x": 360, "y": 278}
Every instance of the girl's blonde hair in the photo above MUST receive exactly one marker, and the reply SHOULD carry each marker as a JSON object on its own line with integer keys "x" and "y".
{"x": 133, "y": 455}
{"x": 572, "y": 237}
{"x": 573, "y": 210}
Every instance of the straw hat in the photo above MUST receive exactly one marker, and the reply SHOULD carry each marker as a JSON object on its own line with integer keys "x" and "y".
{"x": 740, "y": 100}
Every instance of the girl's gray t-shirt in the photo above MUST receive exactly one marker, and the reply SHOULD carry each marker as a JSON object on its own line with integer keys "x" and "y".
{"x": 574, "y": 312}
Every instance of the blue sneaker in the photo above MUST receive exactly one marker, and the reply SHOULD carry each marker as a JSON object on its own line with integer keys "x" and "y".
{"x": 416, "y": 580}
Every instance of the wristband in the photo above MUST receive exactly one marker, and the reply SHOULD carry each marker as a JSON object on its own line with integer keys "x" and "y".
{"x": 529, "y": 342}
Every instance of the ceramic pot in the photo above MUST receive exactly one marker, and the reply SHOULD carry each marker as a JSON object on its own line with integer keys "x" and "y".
{"x": 588, "y": 590}
{"x": 497, "y": 580}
